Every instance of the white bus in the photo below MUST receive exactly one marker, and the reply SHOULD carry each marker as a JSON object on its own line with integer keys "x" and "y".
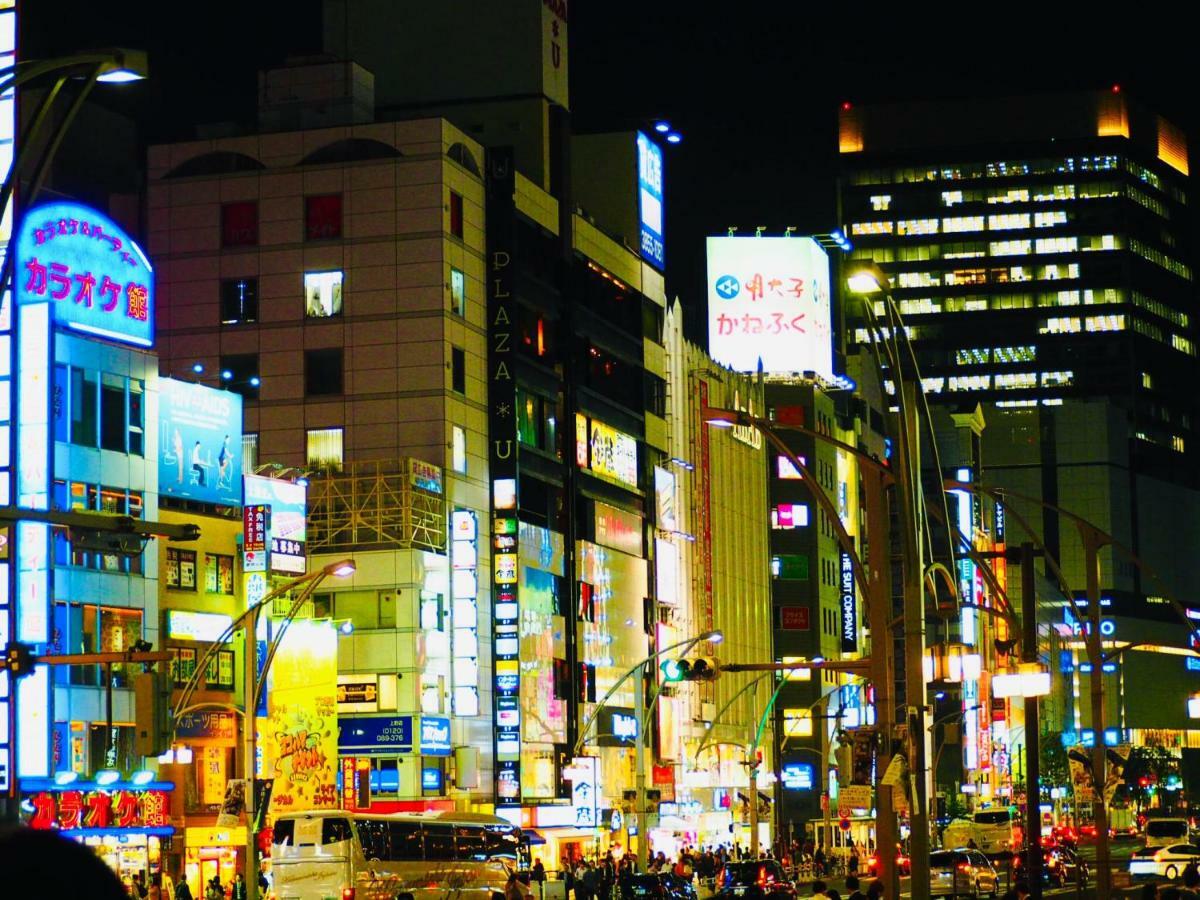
{"x": 339, "y": 855}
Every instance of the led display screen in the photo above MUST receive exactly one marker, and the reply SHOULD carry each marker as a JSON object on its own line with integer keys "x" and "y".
{"x": 768, "y": 303}
{"x": 200, "y": 442}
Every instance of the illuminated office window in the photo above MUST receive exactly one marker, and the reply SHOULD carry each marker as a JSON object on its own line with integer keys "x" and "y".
{"x": 325, "y": 448}
{"x": 1061, "y": 325}
{"x": 322, "y": 294}
{"x": 1049, "y": 219}
{"x": 1059, "y": 298}
{"x": 1177, "y": 443}
{"x": 871, "y": 228}
{"x": 1016, "y": 380}
{"x": 1183, "y": 345}
{"x": 917, "y": 279}
{"x": 933, "y": 385}
{"x": 1014, "y": 354}
{"x": 949, "y": 198}
{"x": 797, "y": 723}
{"x": 881, "y": 202}
{"x": 1012, "y": 195}
{"x": 1010, "y": 248}
{"x": 459, "y": 449}
{"x": 1008, "y": 221}
{"x": 917, "y": 226}
{"x": 973, "y": 357}
{"x": 1049, "y": 193}
{"x": 966, "y": 276}
{"x": 249, "y": 451}
{"x": 962, "y": 223}
{"x": 1020, "y": 273}
{"x": 919, "y": 306}
{"x": 458, "y": 292}
{"x": 1057, "y": 245}
{"x": 970, "y": 382}
{"x": 1058, "y": 379}
{"x": 1147, "y": 381}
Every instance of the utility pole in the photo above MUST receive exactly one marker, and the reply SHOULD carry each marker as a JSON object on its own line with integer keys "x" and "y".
{"x": 1033, "y": 792}
{"x": 909, "y": 494}
{"x": 639, "y": 808}
{"x": 1092, "y": 542}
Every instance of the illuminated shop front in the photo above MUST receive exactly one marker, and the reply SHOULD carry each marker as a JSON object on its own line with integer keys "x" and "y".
{"x": 125, "y": 822}
{"x": 211, "y": 851}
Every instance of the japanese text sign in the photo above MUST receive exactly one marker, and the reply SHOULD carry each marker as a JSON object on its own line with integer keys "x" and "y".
{"x": 75, "y": 810}
{"x": 254, "y": 528}
{"x": 768, "y": 302}
{"x": 650, "y": 200}
{"x": 95, "y": 277}
{"x": 288, "y": 504}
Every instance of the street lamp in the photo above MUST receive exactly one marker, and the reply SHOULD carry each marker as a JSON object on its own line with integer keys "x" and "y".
{"x": 1028, "y": 679}
{"x": 253, "y": 684}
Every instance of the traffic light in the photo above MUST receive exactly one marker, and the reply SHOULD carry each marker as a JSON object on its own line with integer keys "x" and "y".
{"x": 152, "y": 712}
{"x": 702, "y": 668}
{"x": 18, "y": 659}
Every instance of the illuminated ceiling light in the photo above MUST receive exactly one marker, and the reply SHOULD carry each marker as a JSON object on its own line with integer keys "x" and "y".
{"x": 145, "y": 776}
{"x": 198, "y": 368}
{"x": 183, "y": 755}
{"x": 65, "y": 777}
{"x": 1027, "y": 680}
{"x": 255, "y": 381}
{"x": 125, "y": 66}
{"x": 120, "y": 76}
{"x": 674, "y": 137}
{"x": 166, "y": 758}
{"x": 107, "y": 776}
{"x": 347, "y": 627}
{"x": 662, "y": 127}
{"x": 226, "y": 374}
{"x": 303, "y": 482}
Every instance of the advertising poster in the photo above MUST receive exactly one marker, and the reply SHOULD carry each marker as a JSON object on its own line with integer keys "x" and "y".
{"x": 288, "y": 504}
{"x": 199, "y": 442}
{"x": 768, "y": 304}
{"x": 301, "y": 727}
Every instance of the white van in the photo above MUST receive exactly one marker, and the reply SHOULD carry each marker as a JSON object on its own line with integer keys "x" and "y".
{"x": 988, "y": 830}
{"x": 356, "y": 856}
{"x": 1165, "y": 832}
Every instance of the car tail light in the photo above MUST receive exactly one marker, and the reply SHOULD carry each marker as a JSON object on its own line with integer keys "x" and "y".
{"x": 348, "y": 893}
{"x": 1159, "y": 855}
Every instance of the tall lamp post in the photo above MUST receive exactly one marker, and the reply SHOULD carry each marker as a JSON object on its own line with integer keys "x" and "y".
{"x": 254, "y": 683}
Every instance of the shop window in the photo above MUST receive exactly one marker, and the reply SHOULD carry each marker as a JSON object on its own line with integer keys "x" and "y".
{"x": 181, "y": 569}
{"x": 239, "y": 224}
{"x": 88, "y": 628}
{"x": 458, "y": 370}
{"x": 458, "y": 292}
{"x": 323, "y": 294}
{"x": 456, "y": 214}
{"x": 243, "y": 374}
{"x": 218, "y": 573}
{"x": 239, "y": 301}
{"x": 325, "y": 448}
{"x": 323, "y": 372}
{"x": 323, "y": 217}
{"x": 84, "y": 410}
{"x": 459, "y": 449}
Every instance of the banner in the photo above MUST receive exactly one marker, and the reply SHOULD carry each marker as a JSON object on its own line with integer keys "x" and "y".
{"x": 1081, "y": 776}
{"x": 301, "y": 728}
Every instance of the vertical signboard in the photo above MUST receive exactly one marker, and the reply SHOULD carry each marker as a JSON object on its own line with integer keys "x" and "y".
{"x": 464, "y": 592}
{"x": 849, "y": 603}
{"x": 650, "y": 201}
{"x": 8, "y": 50}
{"x": 502, "y": 459}
{"x": 287, "y": 503}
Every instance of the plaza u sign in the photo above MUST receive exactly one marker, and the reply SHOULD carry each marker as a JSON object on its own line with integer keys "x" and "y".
{"x": 93, "y": 274}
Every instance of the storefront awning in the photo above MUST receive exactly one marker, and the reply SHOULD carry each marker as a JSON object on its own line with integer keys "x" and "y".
{"x": 532, "y": 837}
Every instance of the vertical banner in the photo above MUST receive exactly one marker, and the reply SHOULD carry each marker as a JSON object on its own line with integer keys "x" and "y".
{"x": 502, "y": 458}
{"x": 301, "y": 727}
{"x": 705, "y": 516}
{"x": 849, "y": 605}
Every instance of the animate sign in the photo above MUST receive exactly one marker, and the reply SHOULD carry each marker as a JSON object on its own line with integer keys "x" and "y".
{"x": 96, "y": 278}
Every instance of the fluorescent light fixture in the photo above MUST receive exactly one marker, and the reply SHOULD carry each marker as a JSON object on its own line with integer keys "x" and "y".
{"x": 107, "y": 776}
{"x": 183, "y": 755}
{"x": 145, "y": 776}
{"x": 674, "y": 137}
{"x": 120, "y": 76}
{"x": 65, "y": 777}
{"x": 255, "y": 381}
{"x": 662, "y": 127}
{"x": 198, "y": 368}
{"x": 347, "y": 627}
{"x": 226, "y": 375}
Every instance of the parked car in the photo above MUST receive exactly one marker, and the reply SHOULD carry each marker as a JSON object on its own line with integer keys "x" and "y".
{"x": 962, "y": 872}
{"x": 763, "y": 878}
{"x": 1163, "y": 862}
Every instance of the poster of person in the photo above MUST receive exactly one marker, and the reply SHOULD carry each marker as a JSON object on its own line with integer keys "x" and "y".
{"x": 1081, "y": 775}
{"x": 234, "y": 803}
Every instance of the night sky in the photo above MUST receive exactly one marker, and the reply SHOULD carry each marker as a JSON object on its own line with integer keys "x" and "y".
{"x": 753, "y": 89}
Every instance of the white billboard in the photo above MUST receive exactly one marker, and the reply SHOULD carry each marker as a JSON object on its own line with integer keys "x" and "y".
{"x": 768, "y": 301}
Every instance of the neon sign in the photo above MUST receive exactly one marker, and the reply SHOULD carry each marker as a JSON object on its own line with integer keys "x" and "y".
{"x": 84, "y": 808}
{"x": 96, "y": 278}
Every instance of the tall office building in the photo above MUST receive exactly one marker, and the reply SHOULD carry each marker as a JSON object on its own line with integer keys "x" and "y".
{"x": 1041, "y": 258}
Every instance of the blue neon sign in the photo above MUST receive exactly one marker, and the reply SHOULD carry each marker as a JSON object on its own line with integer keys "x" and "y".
{"x": 93, "y": 274}
{"x": 650, "y": 201}
{"x": 798, "y": 777}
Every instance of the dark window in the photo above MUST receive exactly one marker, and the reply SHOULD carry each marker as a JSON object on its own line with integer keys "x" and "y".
{"x": 239, "y": 301}
{"x": 239, "y": 224}
{"x": 655, "y": 394}
{"x": 323, "y": 217}
{"x": 458, "y": 370}
{"x": 137, "y": 418}
{"x": 406, "y": 840}
{"x": 456, "y": 214}
{"x": 243, "y": 374}
{"x": 112, "y": 413}
{"x": 284, "y": 832}
{"x": 469, "y": 843}
{"x": 335, "y": 830}
{"x": 83, "y": 408}
{"x": 323, "y": 372}
{"x": 375, "y": 836}
{"x": 439, "y": 842}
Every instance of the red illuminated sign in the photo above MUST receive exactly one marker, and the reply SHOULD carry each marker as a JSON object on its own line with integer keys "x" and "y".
{"x": 124, "y": 809}
{"x": 254, "y": 528}
{"x": 794, "y": 618}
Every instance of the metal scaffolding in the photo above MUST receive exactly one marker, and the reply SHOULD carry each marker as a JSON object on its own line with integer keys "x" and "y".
{"x": 374, "y": 505}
